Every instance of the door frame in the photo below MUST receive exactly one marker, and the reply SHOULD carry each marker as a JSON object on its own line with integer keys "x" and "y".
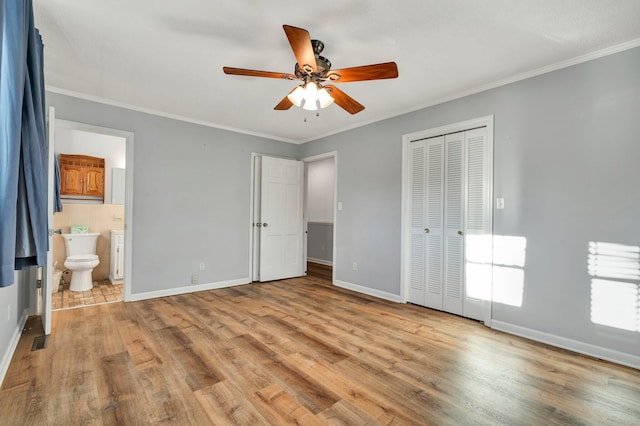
{"x": 128, "y": 206}
{"x": 254, "y": 243}
{"x": 306, "y": 160}
{"x": 405, "y": 249}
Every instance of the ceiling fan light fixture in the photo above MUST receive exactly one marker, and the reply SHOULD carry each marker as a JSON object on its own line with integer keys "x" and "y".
{"x": 324, "y": 98}
{"x": 310, "y": 96}
{"x": 297, "y": 96}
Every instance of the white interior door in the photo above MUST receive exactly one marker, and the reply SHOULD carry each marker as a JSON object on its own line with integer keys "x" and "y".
{"x": 427, "y": 192}
{"x": 478, "y": 220}
{"x": 281, "y": 219}
{"x": 435, "y": 222}
{"x": 417, "y": 191}
{"x": 48, "y": 269}
{"x": 454, "y": 226}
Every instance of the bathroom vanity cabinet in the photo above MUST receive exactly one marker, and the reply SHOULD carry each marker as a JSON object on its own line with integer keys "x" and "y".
{"x": 116, "y": 265}
{"x": 81, "y": 177}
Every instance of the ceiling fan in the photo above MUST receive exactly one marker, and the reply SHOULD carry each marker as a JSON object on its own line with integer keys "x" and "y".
{"x": 315, "y": 70}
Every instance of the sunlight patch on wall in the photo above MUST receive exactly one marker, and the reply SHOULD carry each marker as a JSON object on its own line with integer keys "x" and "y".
{"x": 508, "y": 285}
{"x": 478, "y": 254}
{"x": 494, "y": 268}
{"x": 615, "y": 288}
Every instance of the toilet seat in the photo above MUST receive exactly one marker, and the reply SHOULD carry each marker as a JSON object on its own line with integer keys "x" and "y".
{"x": 82, "y": 258}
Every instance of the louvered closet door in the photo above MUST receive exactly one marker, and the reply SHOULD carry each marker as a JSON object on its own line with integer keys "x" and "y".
{"x": 454, "y": 224}
{"x": 426, "y": 190}
{"x": 478, "y": 215}
{"x": 417, "y": 191}
{"x": 434, "y": 223}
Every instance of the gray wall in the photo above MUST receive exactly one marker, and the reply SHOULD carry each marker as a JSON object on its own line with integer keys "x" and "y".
{"x": 191, "y": 194}
{"x": 320, "y": 241}
{"x": 566, "y": 161}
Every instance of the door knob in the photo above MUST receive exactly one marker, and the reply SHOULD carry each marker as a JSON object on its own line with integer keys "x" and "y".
{"x": 258, "y": 224}
{"x": 264, "y": 225}
{"x": 460, "y": 233}
{"x": 426, "y": 230}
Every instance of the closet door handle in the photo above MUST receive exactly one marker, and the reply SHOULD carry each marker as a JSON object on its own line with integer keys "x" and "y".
{"x": 460, "y": 233}
{"x": 426, "y": 230}
{"x": 258, "y": 224}
{"x": 264, "y": 225}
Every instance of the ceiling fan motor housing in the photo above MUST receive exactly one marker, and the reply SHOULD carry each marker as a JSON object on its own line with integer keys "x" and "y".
{"x": 323, "y": 64}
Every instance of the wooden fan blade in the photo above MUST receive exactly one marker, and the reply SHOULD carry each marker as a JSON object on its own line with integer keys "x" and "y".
{"x": 300, "y": 42}
{"x": 366, "y": 72}
{"x": 343, "y": 100}
{"x": 285, "y": 103}
{"x": 256, "y": 73}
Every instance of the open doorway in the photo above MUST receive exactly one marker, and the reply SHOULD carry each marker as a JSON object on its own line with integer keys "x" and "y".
{"x": 106, "y": 215}
{"x": 320, "y": 214}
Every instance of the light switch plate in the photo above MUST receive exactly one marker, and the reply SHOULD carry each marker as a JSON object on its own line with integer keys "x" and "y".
{"x": 499, "y": 203}
{"x": 339, "y": 206}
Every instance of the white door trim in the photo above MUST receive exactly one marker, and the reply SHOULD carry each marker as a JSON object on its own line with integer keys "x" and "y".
{"x": 405, "y": 248}
{"x": 319, "y": 157}
{"x": 128, "y": 207}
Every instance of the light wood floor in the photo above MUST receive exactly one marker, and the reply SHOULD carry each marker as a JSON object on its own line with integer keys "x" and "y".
{"x": 301, "y": 351}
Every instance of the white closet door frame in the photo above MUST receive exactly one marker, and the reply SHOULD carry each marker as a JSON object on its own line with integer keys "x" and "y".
{"x": 486, "y": 122}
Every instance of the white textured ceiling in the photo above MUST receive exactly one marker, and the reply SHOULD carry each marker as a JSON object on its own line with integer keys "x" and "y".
{"x": 167, "y": 56}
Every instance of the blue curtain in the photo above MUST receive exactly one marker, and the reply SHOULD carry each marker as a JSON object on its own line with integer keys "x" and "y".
{"x": 23, "y": 173}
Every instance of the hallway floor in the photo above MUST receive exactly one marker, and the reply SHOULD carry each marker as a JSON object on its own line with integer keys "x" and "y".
{"x": 102, "y": 292}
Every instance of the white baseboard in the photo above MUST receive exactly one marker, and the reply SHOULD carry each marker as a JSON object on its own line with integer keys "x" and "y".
{"x": 13, "y": 344}
{"x": 188, "y": 289}
{"x": 369, "y": 291}
{"x": 569, "y": 344}
{"x": 320, "y": 261}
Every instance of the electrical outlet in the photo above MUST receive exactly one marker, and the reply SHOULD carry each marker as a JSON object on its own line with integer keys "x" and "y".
{"x": 354, "y": 266}
{"x": 202, "y": 266}
{"x": 194, "y": 279}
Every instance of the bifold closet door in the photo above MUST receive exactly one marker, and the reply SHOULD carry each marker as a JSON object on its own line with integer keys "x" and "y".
{"x": 453, "y": 223}
{"x": 426, "y": 190}
{"x": 450, "y": 202}
{"x": 478, "y": 222}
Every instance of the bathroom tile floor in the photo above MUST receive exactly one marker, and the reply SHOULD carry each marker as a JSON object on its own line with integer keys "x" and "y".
{"x": 102, "y": 292}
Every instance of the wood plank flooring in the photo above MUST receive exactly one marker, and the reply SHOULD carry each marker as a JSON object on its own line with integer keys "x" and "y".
{"x": 301, "y": 351}
{"x": 319, "y": 270}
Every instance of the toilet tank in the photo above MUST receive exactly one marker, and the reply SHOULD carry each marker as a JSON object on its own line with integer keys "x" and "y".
{"x": 80, "y": 243}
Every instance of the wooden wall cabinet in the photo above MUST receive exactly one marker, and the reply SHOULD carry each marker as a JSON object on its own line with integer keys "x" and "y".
{"x": 81, "y": 177}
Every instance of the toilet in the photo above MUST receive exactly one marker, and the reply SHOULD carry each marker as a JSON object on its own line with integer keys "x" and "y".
{"x": 81, "y": 259}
